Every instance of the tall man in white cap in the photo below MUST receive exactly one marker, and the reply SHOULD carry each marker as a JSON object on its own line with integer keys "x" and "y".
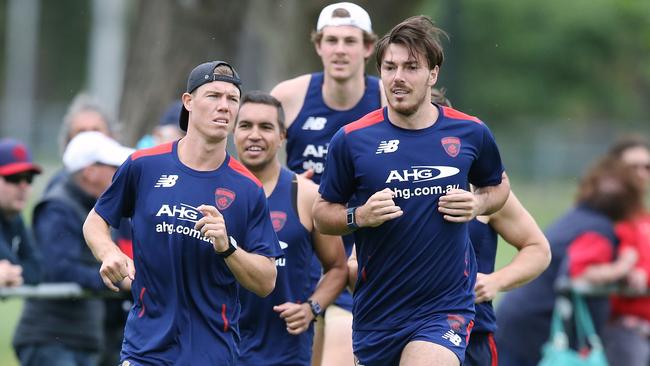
{"x": 69, "y": 332}
{"x": 316, "y": 106}
{"x": 201, "y": 228}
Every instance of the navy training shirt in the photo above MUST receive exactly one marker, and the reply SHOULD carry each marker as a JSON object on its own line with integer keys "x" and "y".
{"x": 186, "y": 308}
{"x": 418, "y": 265}
{"x": 308, "y": 139}
{"x": 265, "y": 340}
{"x": 309, "y": 134}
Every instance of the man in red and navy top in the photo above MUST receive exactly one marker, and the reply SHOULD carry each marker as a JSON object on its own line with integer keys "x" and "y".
{"x": 409, "y": 166}
{"x": 201, "y": 228}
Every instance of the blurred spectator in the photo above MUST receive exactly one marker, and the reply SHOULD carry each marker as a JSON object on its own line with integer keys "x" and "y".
{"x": 18, "y": 259}
{"x": 583, "y": 246}
{"x": 627, "y": 335}
{"x": 86, "y": 113}
{"x": 167, "y": 129}
{"x": 69, "y": 332}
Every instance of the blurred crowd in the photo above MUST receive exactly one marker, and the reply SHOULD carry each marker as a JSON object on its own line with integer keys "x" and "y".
{"x": 52, "y": 249}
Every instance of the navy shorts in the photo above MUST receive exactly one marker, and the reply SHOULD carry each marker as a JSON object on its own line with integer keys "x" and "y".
{"x": 481, "y": 350}
{"x": 384, "y": 347}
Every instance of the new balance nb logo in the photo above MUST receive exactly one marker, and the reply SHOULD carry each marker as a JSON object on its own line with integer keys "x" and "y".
{"x": 386, "y": 147}
{"x": 452, "y": 337}
{"x": 314, "y": 123}
{"x": 166, "y": 181}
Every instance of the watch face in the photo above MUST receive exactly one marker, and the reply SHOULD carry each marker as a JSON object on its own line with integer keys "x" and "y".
{"x": 350, "y": 217}
{"x": 315, "y": 307}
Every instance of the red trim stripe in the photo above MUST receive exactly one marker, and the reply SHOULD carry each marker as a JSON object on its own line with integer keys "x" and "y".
{"x": 241, "y": 169}
{"x": 141, "y": 297}
{"x": 452, "y": 113}
{"x": 493, "y": 350}
{"x": 469, "y": 331}
{"x": 224, "y": 317}
{"x": 369, "y": 119}
{"x": 156, "y": 150}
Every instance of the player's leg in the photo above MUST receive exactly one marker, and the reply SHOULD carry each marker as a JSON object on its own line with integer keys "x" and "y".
{"x": 422, "y": 353}
{"x": 337, "y": 345}
{"x": 317, "y": 347}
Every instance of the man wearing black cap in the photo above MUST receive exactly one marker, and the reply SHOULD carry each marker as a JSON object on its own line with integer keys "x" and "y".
{"x": 18, "y": 260}
{"x": 201, "y": 228}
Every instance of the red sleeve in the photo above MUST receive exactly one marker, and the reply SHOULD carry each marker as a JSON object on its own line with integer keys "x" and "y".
{"x": 588, "y": 249}
{"x": 627, "y": 234}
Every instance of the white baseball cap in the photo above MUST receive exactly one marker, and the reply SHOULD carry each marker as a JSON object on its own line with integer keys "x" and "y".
{"x": 88, "y": 148}
{"x": 358, "y": 17}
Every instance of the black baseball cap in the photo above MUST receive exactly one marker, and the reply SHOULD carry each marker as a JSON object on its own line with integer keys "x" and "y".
{"x": 203, "y": 74}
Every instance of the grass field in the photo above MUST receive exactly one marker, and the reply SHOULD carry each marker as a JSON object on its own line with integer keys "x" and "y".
{"x": 544, "y": 201}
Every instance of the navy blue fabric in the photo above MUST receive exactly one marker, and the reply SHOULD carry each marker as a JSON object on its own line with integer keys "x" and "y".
{"x": 187, "y": 306}
{"x": 309, "y": 134}
{"x": 265, "y": 340}
{"x": 481, "y": 350}
{"x": 17, "y": 246}
{"x": 384, "y": 347}
{"x": 419, "y": 265}
{"x": 484, "y": 241}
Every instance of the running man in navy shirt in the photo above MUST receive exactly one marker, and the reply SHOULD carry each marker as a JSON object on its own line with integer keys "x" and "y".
{"x": 519, "y": 229}
{"x": 277, "y": 330}
{"x": 411, "y": 163}
{"x": 201, "y": 228}
{"x": 316, "y": 106}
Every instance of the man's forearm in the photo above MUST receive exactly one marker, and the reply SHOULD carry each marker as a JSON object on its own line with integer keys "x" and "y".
{"x": 525, "y": 266}
{"x": 253, "y": 271}
{"x": 331, "y": 285}
{"x": 330, "y": 218}
{"x": 98, "y": 237}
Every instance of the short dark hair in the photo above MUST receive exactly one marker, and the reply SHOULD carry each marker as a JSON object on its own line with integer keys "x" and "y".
{"x": 419, "y": 35}
{"x": 611, "y": 188}
{"x": 625, "y": 143}
{"x": 260, "y": 97}
{"x": 438, "y": 96}
{"x": 368, "y": 38}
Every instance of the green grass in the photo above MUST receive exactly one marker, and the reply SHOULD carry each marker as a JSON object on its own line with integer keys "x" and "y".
{"x": 9, "y": 315}
{"x": 544, "y": 201}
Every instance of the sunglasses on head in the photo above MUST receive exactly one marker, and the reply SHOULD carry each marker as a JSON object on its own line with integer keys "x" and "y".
{"x": 18, "y": 178}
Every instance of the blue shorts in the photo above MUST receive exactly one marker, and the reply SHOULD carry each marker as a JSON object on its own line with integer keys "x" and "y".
{"x": 384, "y": 347}
{"x": 481, "y": 350}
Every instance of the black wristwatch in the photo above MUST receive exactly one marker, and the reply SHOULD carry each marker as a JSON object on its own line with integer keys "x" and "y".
{"x": 351, "y": 218}
{"x": 315, "y": 308}
{"x": 232, "y": 246}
